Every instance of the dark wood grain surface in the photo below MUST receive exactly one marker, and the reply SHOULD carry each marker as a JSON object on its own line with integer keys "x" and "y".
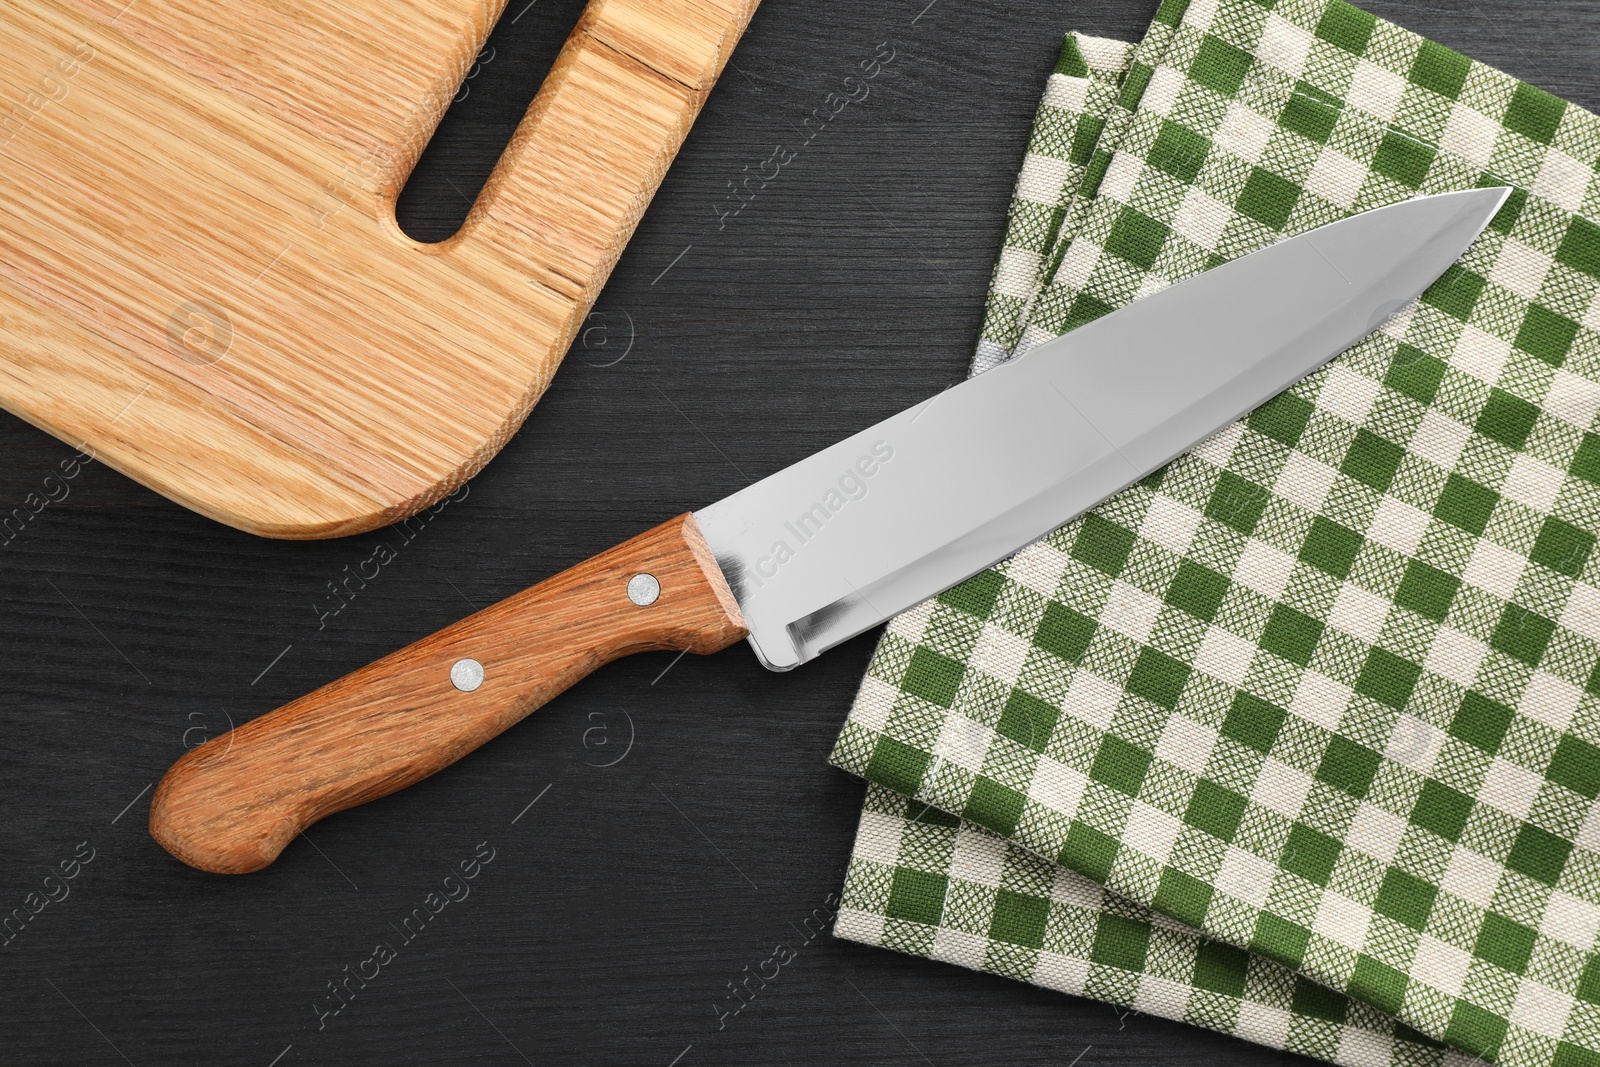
{"x": 638, "y": 842}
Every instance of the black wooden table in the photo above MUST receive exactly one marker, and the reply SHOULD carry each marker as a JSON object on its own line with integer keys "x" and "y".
{"x": 667, "y": 822}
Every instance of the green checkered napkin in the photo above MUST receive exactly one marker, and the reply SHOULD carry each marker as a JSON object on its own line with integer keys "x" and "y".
{"x": 1326, "y": 688}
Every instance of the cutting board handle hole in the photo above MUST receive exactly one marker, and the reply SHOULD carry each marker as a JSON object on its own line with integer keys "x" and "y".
{"x": 495, "y": 94}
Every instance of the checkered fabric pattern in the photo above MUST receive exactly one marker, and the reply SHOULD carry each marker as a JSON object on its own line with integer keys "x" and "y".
{"x": 1325, "y": 689}
{"x": 924, "y": 882}
{"x": 1077, "y": 98}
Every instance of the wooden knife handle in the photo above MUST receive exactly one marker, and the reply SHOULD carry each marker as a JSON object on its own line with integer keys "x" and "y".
{"x": 232, "y": 804}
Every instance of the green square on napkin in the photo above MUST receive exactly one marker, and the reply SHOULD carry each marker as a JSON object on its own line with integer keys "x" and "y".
{"x": 1324, "y": 690}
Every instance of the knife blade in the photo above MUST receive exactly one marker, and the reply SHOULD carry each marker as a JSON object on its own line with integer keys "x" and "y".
{"x": 840, "y": 541}
{"x": 858, "y": 532}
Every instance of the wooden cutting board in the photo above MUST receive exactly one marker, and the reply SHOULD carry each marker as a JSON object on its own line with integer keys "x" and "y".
{"x": 201, "y": 279}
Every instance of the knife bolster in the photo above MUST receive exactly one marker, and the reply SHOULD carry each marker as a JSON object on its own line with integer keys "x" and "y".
{"x": 231, "y": 805}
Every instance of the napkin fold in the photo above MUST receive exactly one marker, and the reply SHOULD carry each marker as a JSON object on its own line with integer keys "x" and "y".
{"x": 1299, "y": 738}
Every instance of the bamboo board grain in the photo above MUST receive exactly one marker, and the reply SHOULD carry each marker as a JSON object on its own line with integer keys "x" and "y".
{"x": 201, "y": 279}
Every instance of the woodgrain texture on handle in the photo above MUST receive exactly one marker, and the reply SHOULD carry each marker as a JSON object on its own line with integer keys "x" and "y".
{"x": 231, "y": 805}
{"x": 202, "y": 282}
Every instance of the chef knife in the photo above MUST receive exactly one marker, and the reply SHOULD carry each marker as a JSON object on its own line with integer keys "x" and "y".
{"x": 839, "y": 542}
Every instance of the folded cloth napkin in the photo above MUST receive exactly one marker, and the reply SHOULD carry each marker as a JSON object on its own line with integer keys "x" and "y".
{"x": 1318, "y": 705}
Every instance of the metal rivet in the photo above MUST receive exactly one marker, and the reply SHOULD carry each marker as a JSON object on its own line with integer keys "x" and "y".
{"x": 466, "y": 675}
{"x": 643, "y": 589}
